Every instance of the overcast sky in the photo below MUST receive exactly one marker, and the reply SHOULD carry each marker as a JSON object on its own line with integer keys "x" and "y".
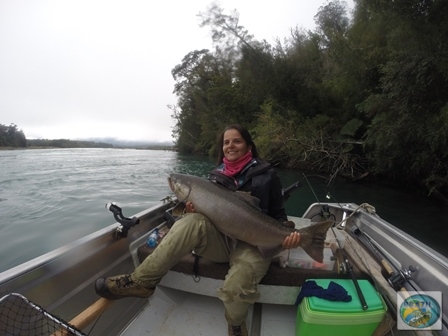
{"x": 80, "y": 69}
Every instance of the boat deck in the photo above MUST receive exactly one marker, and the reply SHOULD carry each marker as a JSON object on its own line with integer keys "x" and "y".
{"x": 185, "y": 302}
{"x": 172, "y": 312}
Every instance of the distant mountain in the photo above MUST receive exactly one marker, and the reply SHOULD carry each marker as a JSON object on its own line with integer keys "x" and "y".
{"x": 130, "y": 143}
{"x": 99, "y": 143}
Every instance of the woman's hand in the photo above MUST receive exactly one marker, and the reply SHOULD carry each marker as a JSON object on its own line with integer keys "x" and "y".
{"x": 189, "y": 207}
{"x": 292, "y": 241}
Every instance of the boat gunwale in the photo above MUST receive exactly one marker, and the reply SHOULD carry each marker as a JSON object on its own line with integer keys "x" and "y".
{"x": 60, "y": 252}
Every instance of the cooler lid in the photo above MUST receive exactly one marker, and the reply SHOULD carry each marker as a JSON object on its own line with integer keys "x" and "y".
{"x": 373, "y": 299}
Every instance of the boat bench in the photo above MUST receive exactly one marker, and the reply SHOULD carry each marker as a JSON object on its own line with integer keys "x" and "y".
{"x": 276, "y": 275}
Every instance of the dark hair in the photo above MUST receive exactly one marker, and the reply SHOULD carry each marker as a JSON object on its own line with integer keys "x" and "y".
{"x": 244, "y": 133}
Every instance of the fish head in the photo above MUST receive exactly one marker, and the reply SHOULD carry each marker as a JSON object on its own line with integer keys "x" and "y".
{"x": 180, "y": 185}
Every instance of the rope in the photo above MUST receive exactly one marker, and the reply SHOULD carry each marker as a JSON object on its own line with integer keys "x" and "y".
{"x": 366, "y": 206}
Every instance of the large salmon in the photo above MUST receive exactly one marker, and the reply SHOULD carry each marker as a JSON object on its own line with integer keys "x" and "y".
{"x": 236, "y": 215}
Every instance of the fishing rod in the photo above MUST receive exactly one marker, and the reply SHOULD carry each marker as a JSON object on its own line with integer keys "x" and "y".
{"x": 397, "y": 277}
{"x": 348, "y": 266}
{"x": 389, "y": 302}
{"x": 398, "y": 280}
{"x": 286, "y": 192}
{"x": 352, "y": 274}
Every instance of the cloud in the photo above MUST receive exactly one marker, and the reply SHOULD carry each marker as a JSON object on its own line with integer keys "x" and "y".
{"x": 74, "y": 69}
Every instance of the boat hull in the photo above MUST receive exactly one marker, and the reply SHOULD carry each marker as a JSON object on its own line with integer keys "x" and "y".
{"x": 61, "y": 281}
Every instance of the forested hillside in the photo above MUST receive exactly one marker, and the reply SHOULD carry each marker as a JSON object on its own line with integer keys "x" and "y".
{"x": 12, "y": 137}
{"x": 362, "y": 95}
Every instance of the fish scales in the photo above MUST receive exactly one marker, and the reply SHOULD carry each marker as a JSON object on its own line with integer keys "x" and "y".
{"x": 236, "y": 215}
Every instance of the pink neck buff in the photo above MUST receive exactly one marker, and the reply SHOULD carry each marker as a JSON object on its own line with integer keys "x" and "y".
{"x": 231, "y": 168}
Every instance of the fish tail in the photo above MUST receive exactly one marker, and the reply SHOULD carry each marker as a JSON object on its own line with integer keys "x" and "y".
{"x": 312, "y": 239}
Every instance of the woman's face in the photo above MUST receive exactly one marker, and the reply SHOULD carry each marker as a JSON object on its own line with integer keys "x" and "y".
{"x": 234, "y": 145}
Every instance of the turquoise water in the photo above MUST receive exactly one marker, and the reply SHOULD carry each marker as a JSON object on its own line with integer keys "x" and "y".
{"x": 50, "y": 197}
{"x": 418, "y": 216}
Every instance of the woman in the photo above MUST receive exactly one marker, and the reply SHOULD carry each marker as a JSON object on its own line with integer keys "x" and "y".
{"x": 240, "y": 169}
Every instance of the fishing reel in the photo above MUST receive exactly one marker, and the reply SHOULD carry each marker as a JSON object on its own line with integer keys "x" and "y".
{"x": 398, "y": 278}
{"x": 126, "y": 223}
{"x": 342, "y": 267}
{"x": 325, "y": 213}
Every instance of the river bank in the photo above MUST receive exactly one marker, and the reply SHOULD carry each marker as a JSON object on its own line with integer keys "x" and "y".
{"x": 24, "y": 148}
{"x": 154, "y": 147}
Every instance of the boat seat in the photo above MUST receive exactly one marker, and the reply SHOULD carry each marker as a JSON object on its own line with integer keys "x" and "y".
{"x": 276, "y": 275}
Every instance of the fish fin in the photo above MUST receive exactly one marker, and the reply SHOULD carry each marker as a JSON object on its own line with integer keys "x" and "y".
{"x": 312, "y": 239}
{"x": 248, "y": 198}
{"x": 178, "y": 210}
{"x": 270, "y": 252}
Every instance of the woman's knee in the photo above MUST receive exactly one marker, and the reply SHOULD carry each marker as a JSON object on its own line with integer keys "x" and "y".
{"x": 247, "y": 268}
{"x": 240, "y": 284}
{"x": 192, "y": 222}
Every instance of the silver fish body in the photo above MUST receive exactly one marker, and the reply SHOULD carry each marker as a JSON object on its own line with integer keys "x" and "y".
{"x": 236, "y": 215}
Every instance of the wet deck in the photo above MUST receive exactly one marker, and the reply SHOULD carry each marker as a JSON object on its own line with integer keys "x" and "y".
{"x": 172, "y": 312}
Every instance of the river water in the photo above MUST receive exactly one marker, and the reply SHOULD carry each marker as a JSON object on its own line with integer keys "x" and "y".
{"x": 50, "y": 197}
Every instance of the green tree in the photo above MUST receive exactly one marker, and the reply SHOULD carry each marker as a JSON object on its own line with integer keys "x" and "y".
{"x": 11, "y": 136}
{"x": 378, "y": 79}
{"x": 406, "y": 138}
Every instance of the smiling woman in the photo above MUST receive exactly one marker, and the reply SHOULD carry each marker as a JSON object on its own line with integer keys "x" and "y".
{"x": 240, "y": 171}
{"x": 235, "y": 147}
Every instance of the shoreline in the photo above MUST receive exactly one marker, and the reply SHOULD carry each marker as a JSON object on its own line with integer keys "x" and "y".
{"x": 52, "y": 147}
{"x": 22, "y": 148}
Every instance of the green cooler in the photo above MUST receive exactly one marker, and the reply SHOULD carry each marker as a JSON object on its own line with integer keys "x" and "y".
{"x": 316, "y": 316}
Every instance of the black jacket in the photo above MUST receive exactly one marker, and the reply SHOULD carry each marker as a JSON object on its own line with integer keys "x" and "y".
{"x": 262, "y": 182}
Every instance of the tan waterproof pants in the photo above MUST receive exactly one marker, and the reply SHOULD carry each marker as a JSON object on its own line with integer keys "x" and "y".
{"x": 195, "y": 232}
